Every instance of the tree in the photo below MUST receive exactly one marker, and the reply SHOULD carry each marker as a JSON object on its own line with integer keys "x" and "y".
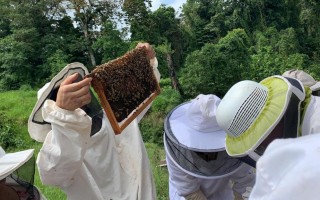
{"x": 167, "y": 51}
{"x": 310, "y": 36}
{"x": 276, "y": 52}
{"x": 196, "y": 15}
{"x": 137, "y": 16}
{"x": 20, "y": 46}
{"x": 216, "y": 67}
{"x": 168, "y": 30}
{"x": 89, "y": 16}
{"x": 110, "y": 44}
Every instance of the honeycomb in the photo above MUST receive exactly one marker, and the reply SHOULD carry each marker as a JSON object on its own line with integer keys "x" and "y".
{"x": 125, "y": 86}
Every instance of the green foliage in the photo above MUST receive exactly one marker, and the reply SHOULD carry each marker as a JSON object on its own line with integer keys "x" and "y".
{"x": 8, "y": 138}
{"x": 152, "y": 124}
{"x": 17, "y": 105}
{"x": 166, "y": 101}
{"x": 152, "y": 128}
{"x": 56, "y": 62}
{"x": 162, "y": 64}
{"x": 25, "y": 87}
{"x": 110, "y": 45}
{"x": 13, "y": 63}
{"x": 137, "y": 15}
{"x": 216, "y": 67}
{"x": 276, "y": 52}
{"x": 156, "y": 153}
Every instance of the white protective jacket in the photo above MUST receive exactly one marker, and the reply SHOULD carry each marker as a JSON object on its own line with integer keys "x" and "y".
{"x": 101, "y": 167}
{"x": 310, "y": 122}
{"x": 104, "y": 166}
{"x": 182, "y": 184}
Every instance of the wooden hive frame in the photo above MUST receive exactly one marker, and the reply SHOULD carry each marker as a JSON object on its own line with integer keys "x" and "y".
{"x": 125, "y": 87}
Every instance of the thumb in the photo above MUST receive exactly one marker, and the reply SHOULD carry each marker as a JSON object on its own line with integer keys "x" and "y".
{"x": 70, "y": 79}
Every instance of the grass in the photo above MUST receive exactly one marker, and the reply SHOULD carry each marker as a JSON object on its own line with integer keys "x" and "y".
{"x": 15, "y": 108}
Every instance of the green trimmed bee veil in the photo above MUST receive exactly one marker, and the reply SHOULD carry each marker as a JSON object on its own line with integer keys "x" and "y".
{"x": 254, "y": 114}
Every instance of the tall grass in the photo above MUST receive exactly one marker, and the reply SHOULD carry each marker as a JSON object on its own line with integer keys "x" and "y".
{"x": 15, "y": 108}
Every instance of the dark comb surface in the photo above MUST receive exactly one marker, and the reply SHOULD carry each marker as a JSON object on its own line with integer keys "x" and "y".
{"x": 127, "y": 81}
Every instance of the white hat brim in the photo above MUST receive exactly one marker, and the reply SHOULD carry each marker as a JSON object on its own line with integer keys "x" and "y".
{"x": 38, "y": 129}
{"x": 12, "y": 161}
{"x": 191, "y": 138}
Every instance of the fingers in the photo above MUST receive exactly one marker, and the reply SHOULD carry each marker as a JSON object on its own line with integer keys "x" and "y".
{"x": 71, "y": 86}
{"x": 70, "y": 79}
{"x": 74, "y": 95}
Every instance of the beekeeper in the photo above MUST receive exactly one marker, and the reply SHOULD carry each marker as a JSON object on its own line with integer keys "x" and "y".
{"x": 16, "y": 176}
{"x": 289, "y": 169}
{"x": 254, "y": 114}
{"x": 199, "y": 167}
{"x": 81, "y": 153}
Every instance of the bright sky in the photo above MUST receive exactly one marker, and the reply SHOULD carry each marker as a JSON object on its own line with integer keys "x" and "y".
{"x": 176, "y": 4}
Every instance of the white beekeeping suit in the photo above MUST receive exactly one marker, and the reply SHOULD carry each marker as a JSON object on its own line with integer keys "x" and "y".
{"x": 199, "y": 167}
{"x": 84, "y": 157}
{"x": 289, "y": 169}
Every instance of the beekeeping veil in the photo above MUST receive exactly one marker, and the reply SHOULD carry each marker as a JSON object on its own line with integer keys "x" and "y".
{"x": 254, "y": 114}
{"x": 194, "y": 142}
{"x": 17, "y": 176}
{"x": 37, "y": 127}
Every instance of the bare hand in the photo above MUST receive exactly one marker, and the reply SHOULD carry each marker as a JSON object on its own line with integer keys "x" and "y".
{"x": 150, "y": 52}
{"x": 74, "y": 95}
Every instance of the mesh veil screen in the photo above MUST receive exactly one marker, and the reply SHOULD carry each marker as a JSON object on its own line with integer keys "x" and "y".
{"x": 202, "y": 163}
{"x": 22, "y": 181}
{"x": 205, "y": 164}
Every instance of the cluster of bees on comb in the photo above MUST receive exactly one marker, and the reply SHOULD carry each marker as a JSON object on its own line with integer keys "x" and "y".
{"x": 126, "y": 82}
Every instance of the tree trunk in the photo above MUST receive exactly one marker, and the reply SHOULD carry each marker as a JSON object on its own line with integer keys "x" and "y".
{"x": 174, "y": 81}
{"x": 89, "y": 43}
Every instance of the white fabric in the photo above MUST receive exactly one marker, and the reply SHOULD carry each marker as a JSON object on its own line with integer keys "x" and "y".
{"x": 304, "y": 77}
{"x": 12, "y": 161}
{"x": 289, "y": 169}
{"x": 194, "y": 124}
{"x": 181, "y": 183}
{"x": 310, "y": 122}
{"x": 315, "y": 87}
{"x": 310, "y": 129}
{"x": 38, "y": 131}
{"x": 104, "y": 166}
{"x": 201, "y": 113}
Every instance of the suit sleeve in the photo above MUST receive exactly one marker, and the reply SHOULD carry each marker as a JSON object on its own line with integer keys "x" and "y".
{"x": 63, "y": 150}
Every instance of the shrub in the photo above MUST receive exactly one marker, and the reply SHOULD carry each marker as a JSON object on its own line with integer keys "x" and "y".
{"x": 152, "y": 124}
{"x": 8, "y": 139}
{"x": 25, "y": 87}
